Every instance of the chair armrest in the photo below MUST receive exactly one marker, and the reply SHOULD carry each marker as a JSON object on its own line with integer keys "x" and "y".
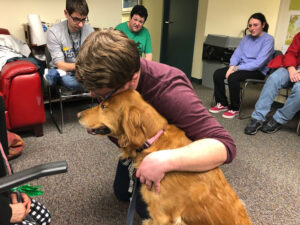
{"x": 11, "y": 70}
{"x": 18, "y": 178}
{"x": 16, "y": 68}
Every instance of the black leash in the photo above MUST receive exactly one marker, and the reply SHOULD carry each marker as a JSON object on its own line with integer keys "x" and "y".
{"x": 132, "y": 204}
{"x": 131, "y": 208}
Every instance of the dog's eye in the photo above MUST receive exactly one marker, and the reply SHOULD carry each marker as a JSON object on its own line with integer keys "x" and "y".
{"x": 103, "y": 106}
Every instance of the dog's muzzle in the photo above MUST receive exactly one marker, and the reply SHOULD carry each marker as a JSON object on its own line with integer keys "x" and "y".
{"x": 101, "y": 130}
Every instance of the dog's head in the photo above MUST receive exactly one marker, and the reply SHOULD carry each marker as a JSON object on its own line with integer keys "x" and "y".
{"x": 125, "y": 116}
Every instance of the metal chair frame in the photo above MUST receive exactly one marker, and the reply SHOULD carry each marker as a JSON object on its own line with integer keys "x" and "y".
{"x": 62, "y": 97}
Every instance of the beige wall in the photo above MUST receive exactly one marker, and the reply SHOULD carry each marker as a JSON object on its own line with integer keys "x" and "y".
{"x": 282, "y": 24}
{"x": 103, "y": 13}
{"x": 154, "y": 24}
{"x": 230, "y": 17}
{"x": 199, "y": 39}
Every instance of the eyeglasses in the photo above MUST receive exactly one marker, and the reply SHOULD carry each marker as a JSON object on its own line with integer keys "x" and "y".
{"x": 78, "y": 20}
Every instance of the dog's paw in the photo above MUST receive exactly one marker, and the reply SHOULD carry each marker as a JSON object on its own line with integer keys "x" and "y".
{"x": 147, "y": 222}
{"x": 179, "y": 222}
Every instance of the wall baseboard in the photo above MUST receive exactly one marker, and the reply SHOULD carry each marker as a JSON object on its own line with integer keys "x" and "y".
{"x": 196, "y": 80}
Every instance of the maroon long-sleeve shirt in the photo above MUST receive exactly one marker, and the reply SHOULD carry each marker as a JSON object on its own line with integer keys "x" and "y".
{"x": 171, "y": 93}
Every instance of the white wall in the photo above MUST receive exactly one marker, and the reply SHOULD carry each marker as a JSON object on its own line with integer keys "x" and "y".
{"x": 103, "y": 13}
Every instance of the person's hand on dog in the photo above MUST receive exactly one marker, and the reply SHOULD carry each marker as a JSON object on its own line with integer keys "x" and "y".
{"x": 153, "y": 169}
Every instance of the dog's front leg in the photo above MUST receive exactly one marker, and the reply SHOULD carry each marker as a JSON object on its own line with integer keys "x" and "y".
{"x": 151, "y": 222}
{"x": 147, "y": 222}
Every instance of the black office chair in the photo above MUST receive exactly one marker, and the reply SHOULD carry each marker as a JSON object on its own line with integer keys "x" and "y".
{"x": 9, "y": 181}
{"x": 63, "y": 95}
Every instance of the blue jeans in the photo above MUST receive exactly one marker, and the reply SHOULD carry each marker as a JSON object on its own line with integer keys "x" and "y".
{"x": 53, "y": 77}
{"x": 70, "y": 82}
{"x": 277, "y": 80}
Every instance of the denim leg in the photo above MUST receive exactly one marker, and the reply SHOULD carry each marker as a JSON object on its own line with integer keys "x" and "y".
{"x": 280, "y": 78}
{"x": 70, "y": 82}
{"x": 291, "y": 106}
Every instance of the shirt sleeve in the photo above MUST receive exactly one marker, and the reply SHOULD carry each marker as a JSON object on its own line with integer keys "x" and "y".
{"x": 187, "y": 112}
{"x": 5, "y": 210}
{"x": 293, "y": 53}
{"x": 148, "y": 48}
{"x": 118, "y": 27}
{"x": 237, "y": 54}
{"x": 264, "y": 55}
{"x": 54, "y": 47}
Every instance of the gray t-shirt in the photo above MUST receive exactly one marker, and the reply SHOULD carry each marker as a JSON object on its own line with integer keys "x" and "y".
{"x": 63, "y": 45}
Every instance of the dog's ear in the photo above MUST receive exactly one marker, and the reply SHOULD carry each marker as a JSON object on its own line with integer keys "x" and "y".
{"x": 134, "y": 132}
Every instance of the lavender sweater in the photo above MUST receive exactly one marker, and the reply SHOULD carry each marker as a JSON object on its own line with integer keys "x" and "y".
{"x": 254, "y": 53}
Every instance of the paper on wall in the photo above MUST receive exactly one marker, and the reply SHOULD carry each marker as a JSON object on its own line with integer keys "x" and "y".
{"x": 37, "y": 34}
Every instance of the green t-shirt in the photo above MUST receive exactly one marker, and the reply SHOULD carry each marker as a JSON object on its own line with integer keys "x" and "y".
{"x": 141, "y": 38}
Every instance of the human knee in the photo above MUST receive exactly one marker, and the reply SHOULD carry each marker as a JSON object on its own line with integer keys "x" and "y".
{"x": 278, "y": 77}
{"x": 233, "y": 79}
{"x": 219, "y": 74}
{"x": 296, "y": 88}
{"x": 121, "y": 193}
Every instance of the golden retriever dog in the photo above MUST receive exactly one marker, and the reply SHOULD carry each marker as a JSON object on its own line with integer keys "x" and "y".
{"x": 185, "y": 198}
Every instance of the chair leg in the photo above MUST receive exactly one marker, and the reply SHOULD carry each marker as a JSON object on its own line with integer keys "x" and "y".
{"x": 298, "y": 128}
{"x": 243, "y": 90}
{"x": 38, "y": 130}
{"x": 61, "y": 111}
{"x": 51, "y": 110}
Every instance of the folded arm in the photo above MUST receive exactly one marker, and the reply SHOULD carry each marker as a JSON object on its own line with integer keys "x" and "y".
{"x": 201, "y": 155}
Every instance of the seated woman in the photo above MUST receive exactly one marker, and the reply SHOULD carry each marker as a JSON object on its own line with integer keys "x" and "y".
{"x": 249, "y": 61}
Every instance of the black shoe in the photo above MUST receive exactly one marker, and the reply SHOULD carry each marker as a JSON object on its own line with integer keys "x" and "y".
{"x": 253, "y": 126}
{"x": 271, "y": 127}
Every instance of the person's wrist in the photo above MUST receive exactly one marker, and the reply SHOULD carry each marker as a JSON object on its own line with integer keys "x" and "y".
{"x": 235, "y": 68}
{"x": 167, "y": 160}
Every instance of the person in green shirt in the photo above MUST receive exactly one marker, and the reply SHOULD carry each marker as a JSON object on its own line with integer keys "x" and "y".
{"x": 135, "y": 30}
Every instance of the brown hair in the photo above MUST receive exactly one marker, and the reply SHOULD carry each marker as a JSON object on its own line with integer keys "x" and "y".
{"x": 107, "y": 59}
{"x": 79, "y": 6}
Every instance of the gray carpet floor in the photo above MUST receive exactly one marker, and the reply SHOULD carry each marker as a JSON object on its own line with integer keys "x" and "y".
{"x": 265, "y": 173}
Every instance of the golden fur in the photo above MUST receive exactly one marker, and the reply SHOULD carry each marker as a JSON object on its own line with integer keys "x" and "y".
{"x": 185, "y": 198}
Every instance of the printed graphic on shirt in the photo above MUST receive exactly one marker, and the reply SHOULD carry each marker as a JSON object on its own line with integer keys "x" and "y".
{"x": 68, "y": 52}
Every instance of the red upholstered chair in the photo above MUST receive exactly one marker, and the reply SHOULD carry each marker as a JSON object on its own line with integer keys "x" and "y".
{"x": 20, "y": 88}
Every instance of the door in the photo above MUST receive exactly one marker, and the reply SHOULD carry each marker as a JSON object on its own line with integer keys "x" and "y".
{"x": 178, "y": 34}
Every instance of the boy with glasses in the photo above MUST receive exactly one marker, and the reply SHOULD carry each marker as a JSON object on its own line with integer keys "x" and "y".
{"x": 64, "y": 40}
